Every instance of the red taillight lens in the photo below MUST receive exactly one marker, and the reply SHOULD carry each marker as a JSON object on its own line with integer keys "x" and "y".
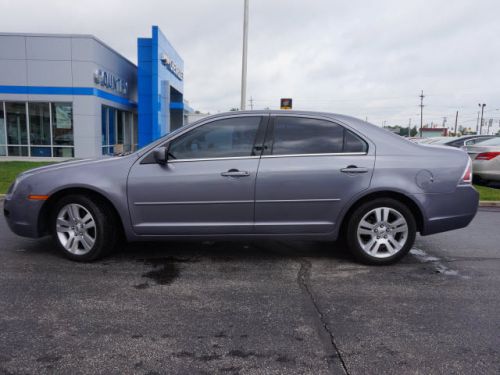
{"x": 487, "y": 155}
{"x": 467, "y": 177}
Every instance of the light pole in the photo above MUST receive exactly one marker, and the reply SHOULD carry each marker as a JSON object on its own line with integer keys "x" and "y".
{"x": 244, "y": 58}
{"x": 481, "y": 122}
{"x": 421, "y": 112}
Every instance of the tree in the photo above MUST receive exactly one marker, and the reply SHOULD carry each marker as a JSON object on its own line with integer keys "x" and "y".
{"x": 234, "y": 109}
{"x": 413, "y": 132}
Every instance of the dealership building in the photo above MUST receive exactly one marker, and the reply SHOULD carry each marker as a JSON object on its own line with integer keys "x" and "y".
{"x": 74, "y": 96}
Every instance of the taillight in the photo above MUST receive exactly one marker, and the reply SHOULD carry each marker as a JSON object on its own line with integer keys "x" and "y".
{"x": 467, "y": 176}
{"x": 487, "y": 155}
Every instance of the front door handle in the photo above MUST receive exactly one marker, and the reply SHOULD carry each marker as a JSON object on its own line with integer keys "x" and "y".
{"x": 354, "y": 169}
{"x": 235, "y": 173}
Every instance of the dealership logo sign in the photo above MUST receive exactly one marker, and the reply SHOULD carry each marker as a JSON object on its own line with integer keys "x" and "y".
{"x": 172, "y": 66}
{"x": 110, "y": 81}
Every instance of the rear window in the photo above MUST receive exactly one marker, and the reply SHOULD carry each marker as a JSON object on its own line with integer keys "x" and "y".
{"x": 490, "y": 142}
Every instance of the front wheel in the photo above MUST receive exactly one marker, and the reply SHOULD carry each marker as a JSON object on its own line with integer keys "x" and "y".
{"x": 82, "y": 228}
{"x": 381, "y": 231}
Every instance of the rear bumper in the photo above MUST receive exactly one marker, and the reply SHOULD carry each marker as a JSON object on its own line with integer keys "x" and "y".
{"x": 487, "y": 169}
{"x": 22, "y": 216}
{"x": 444, "y": 212}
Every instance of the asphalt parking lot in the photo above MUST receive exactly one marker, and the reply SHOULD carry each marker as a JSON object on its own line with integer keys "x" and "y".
{"x": 252, "y": 308}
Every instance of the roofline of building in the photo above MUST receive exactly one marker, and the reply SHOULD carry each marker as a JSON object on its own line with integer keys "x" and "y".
{"x": 82, "y": 36}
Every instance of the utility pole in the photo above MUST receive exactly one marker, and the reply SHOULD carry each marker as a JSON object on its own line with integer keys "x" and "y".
{"x": 421, "y": 112}
{"x": 251, "y": 103}
{"x": 409, "y": 127}
{"x": 477, "y": 123}
{"x": 481, "y": 122}
{"x": 490, "y": 124}
{"x": 456, "y": 122}
{"x": 244, "y": 58}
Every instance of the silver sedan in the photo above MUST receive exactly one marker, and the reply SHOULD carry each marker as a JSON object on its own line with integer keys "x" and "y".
{"x": 486, "y": 159}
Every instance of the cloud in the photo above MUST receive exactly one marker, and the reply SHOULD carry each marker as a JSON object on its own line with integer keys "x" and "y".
{"x": 363, "y": 58}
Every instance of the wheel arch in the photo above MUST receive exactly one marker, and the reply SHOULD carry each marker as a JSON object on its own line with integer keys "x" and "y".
{"x": 396, "y": 195}
{"x": 45, "y": 211}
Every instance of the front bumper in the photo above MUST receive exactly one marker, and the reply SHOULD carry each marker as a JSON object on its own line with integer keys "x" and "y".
{"x": 22, "y": 216}
{"x": 444, "y": 212}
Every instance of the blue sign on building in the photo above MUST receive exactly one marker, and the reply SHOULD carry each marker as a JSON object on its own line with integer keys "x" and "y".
{"x": 160, "y": 75}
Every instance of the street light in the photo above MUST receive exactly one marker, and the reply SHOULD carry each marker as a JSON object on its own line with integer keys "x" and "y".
{"x": 244, "y": 58}
{"x": 481, "y": 122}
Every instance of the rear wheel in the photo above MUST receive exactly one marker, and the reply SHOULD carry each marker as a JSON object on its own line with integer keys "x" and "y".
{"x": 83, "y": 228}
{"x": 381, "y": 231}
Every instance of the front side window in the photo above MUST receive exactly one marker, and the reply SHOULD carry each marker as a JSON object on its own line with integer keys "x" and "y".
{"x": 296, "y": 135}
{"x": 219, "y": 139}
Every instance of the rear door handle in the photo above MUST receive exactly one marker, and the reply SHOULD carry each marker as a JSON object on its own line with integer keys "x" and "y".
{"x": 235, "y": 173}
{"x": 354, "y": 169}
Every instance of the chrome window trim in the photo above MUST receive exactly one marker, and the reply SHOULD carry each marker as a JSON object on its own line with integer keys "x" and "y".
{"x": 309, "y": 155}
{"x": 213, "y": 159}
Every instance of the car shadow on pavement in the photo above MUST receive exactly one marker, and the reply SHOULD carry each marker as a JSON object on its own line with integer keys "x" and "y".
{"x": 222, "y": 251}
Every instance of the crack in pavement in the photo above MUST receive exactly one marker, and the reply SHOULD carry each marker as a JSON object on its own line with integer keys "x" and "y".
{"x": 303, "y": 277}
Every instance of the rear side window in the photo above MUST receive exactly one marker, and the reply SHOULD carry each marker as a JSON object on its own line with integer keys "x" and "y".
{"x": 296, "y": 135}
{"x": 218, "y": 139}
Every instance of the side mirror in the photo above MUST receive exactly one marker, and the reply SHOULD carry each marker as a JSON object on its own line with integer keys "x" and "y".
{"x": 160, "y": 155}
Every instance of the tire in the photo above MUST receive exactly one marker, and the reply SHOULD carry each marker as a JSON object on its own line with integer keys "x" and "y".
{"x": 385, "y": 241}
{"x": 83, "y": 227}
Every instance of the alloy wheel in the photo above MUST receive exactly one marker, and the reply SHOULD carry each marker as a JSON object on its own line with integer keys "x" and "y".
{"x": 76, "y": 229}
{"x": 382, "y": 232}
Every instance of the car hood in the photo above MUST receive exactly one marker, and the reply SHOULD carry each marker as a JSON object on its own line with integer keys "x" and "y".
{"x": 72, "y": 164}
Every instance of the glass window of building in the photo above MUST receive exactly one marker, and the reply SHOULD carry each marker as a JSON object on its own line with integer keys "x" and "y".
{"x": 3, "y": 138}
{"x": 118, "y": 131}
{"x": 36, "y": 129}
{"x": 62, "y": 129}
{"x": 39, "y": 125}
{"x": 17, "y": 130}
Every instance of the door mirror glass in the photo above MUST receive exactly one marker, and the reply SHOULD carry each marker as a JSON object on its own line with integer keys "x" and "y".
{"x": 160, "y": 155}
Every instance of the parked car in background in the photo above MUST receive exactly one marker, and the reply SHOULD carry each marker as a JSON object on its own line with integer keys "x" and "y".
{"x": 432, "y": 140}
{"x": 252, "y": 175}
{"x": 468, "y": 140}
{"x": 440, "y": 140}
{"x": 486, "y": 159}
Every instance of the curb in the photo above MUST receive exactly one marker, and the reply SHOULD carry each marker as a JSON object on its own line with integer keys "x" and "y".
{"x": 489, "y": 203}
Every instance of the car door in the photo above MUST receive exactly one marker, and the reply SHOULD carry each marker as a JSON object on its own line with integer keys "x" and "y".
{"x": 207, "y": 185}
{"x": 309, "y": 169}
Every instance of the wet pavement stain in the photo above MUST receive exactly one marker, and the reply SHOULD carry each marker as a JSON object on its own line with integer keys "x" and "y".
{"x": 164, "y": 275}
{"x": 49, "y": 359}
{"x": 165, "y": 270}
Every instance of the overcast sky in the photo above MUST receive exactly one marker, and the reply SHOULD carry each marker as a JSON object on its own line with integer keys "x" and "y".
{"x": 362, "y": 58}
